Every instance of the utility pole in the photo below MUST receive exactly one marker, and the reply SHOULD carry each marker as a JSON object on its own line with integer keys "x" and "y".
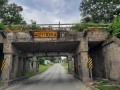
{"x": 59, "y": 25}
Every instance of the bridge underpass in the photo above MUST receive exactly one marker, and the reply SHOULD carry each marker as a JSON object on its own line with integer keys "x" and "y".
{"x": 38, "y": 49}
{"x": 19, "y": 47}
{"x": 18, "y": 56}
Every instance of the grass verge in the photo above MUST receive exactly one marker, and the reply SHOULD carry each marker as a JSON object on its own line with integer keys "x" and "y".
{"x": 43, "y": 68}
{"x": 65, "y": 65}
{"x": 30, "y": 74}
{"x": 105, "y": 85}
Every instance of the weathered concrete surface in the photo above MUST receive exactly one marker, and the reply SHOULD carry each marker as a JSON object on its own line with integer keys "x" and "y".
{"x": 21, "y": 44}
{"x": 81, "y": 60}
{"x": 13, "y": 67}
{"x": 97, "y": 35}
{"x": 1, "y": 39}
{"x": 98, "y": 62}
{"x": 69, "y": 63}
{"x": 112, "y": 61}
{"x": 55, "y": 78}
{"x": 106, "y": 60}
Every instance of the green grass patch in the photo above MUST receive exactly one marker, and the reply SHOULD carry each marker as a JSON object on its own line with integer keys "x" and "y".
{"x": 65, "y": 65}
{"x": 104, "y": 85}
{"x": 108, "y": 88}
{"x": 29, "y": 74}
{"x": 43, "y": 68}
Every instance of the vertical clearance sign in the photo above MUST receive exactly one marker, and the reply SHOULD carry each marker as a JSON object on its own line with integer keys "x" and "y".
{"x": 45, "y": 34}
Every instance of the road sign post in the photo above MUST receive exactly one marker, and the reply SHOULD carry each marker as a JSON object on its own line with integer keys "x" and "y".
{"x": 90, "y": 66}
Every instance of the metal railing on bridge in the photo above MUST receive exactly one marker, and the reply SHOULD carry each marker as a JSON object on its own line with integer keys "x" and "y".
{"x": 59, "y": 26}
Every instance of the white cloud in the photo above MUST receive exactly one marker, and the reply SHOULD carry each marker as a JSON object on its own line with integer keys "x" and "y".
{"x": 49, "y": 11}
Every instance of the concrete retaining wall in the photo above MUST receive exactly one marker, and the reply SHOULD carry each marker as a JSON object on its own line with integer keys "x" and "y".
{"x": 106, "y": 61}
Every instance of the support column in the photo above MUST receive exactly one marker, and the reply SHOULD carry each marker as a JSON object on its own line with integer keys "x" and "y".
{"x": 20, "y": 67}
{"x": 30, "y": 64}
{"x": 24, "y": 66}
{"x": 6, "y": 73}
{"x": 83, "y": 57}
{"x": 27, "y": 66}
{"x": 8, "y": 57}
{"x": 75, "y": 65}
{"x": 35, "y": 64}
{"x": 69, "y": 63}
{"x": 15, "y": 66}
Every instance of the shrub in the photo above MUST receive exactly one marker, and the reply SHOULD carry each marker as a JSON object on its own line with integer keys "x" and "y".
{"x": 114, "y": 28}
{"x": 21, "y": 27}
{"x": 2, "y": 26}
{"x": 82, "y": 26}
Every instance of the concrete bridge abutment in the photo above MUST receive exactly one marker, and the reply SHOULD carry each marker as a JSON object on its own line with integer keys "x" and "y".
{"x": 14, "y": 65}
{"x": 17, "y": 58}
{"x": 81, "y": 60}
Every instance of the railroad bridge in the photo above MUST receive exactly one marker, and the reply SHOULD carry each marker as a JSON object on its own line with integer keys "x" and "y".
{"x": 17, "y": 47}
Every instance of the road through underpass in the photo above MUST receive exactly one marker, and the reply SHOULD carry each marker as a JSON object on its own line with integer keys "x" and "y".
{"x": 55, "y": 78}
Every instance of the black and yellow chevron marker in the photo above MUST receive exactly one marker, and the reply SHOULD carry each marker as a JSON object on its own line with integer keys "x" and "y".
{"x": 90, "y": 63}
{"x": 3, "y": 64}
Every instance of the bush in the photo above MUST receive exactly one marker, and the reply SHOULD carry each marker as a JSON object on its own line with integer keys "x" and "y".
{"x": 2, "y": 26}
{"x": 82, "y": 26}
{"x": 43, "y": 68}
{"x": 20, "y": 27}
{"x": 41, "y": 60}
{"x": 114, "y": 28}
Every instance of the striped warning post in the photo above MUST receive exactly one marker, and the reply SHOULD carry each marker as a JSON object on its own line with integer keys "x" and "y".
{"x": 3, "y": 65}
{"x": 90, "y": 63}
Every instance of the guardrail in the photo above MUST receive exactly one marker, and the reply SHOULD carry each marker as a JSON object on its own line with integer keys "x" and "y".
{"x": 60, "y": 26}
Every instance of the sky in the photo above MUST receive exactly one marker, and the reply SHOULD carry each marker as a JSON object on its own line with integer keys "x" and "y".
{"x": 50, "y": 11}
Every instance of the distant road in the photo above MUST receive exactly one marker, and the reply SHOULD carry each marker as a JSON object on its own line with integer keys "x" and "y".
{"x": 55, "y": 78}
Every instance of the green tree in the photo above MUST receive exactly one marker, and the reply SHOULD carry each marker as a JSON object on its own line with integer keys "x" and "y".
{"x": 41, "y": 60}
{"x": 52, "y": 59}
{"x": 10, "y": 14}
{"x": 2, "y": 2}
{"x": 114, "y": 28}
{"x": 99, "y": 10}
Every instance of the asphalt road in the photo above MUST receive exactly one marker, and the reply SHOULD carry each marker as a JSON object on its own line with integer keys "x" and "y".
{"x": 55, "y": 78}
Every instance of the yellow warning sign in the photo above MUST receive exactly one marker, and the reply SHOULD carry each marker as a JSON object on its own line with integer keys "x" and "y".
{"x": 45, "y": 34}
{"x": 90, "y": 63}
{"x": 3, "y": 64}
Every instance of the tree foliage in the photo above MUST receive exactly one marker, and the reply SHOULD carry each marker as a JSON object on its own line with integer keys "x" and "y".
{"x": 41, "y": 60}
{"x": 99, "y": 10}
{"x": 52, "y": 59}
{"x": 114, "y": 28}
{"x": 10, "y": 14}
{"x": 2, "y": 2}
